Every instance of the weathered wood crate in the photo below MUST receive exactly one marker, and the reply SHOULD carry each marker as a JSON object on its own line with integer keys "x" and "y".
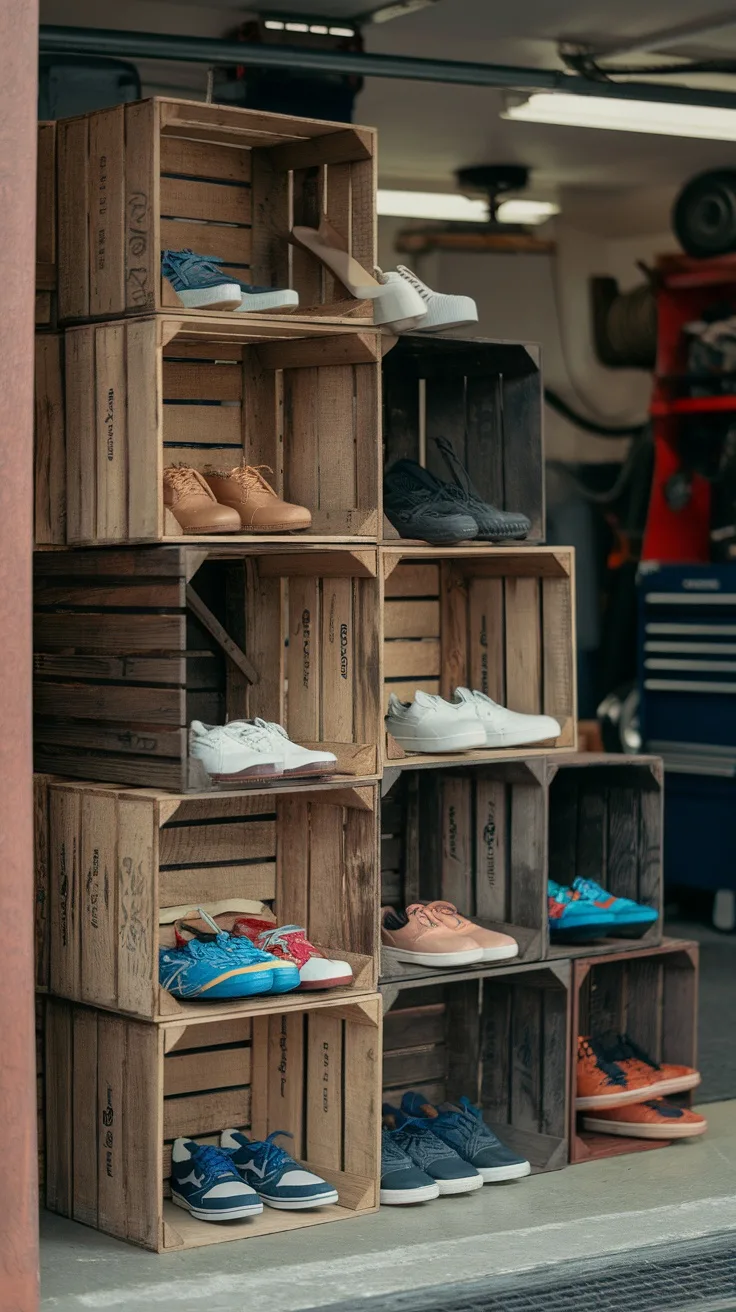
{"x": 499, "y": 619}
{"x": 487, "y": 838}
{"x": 500, "y": 1040}
{"x": 116, "y": 858}
{"x": 652, "y": 996}
{"x": 120, "y": 1091}
{"x": 172, "y": 174}
{"x": 301, "y": 399}
{"x": 50, "y": 507}
{"x": 46, "y": 270}
{"x": 133, "y": 644}
{"x": 486, "y": 397}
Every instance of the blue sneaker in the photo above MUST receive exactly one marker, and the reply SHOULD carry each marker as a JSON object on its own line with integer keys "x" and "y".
{"x": 280, "y": 1181}
{"x": 631, "y": 919}
{"x": 198, "y": 282}
{"x": 436, "y": 1159}
{"x": 205, "y": 1182}
{"x": 571, "y": 919}
{"x": 210, "y": 963}
{"x": 461, "y": 1126}
{"x": 254, "y": 298}
{"x": 401, "y": 1180}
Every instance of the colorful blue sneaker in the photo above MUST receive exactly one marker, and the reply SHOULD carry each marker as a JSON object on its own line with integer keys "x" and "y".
{"x": 205, "y": 1182}
{"x": 280, "y": 1181}
{"x": 218, "y": 965}
{"x": 632, "y": 919}
{"x": 435, "y": 1158}
{"x": 198, "y": 282}
{"x": 461, "y": 1126}
{"x": 573, "y": 920}
{"x": 402, "y": 1181}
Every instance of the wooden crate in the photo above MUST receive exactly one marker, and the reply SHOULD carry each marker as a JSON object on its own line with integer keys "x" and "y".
{"x": 499, "y": 619}
{"x": 46, "y": 270}
{"x": 488, "y": 838}
{"x": 133, "y": 644}
{"x": 652, "y": 996}
{"x": 116, "y": 858}
{"x": 606, "y": 824}
{"x": 301, "y": 399}
{"x": 120, "y": 1091}
{"x": 499, "y": 1040}
{"x": 50, "y": 505}
{"x": 486, "y": 397}
{"x": 171, "y": 174}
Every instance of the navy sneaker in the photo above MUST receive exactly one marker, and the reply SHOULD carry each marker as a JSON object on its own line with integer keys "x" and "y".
{"x": 198, "y": 282}
{"x": 280, "y": 1181}
{"x": 417, "y": 505}
{"x": 402, "y": 1181}
{"x": 461, "y": 1126}
{"x": 205, "y": 1182}
{"x": 435, "y": 1158}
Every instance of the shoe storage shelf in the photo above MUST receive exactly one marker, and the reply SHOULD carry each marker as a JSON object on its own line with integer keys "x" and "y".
{"x": 46, "y": 270}
{"x": 120, "y": 1091}
{"x": 486, "y": 397}
{"x": 496, "y": 619}
{"x": 115, "y": 859}
{"x": 501, "y": 1041}
{"x": 132, "y": 644}
{"x": 230, "y": 183}
{"x": 487, "y": 838}
{"x": 206, "y": 391}
{"x": 652, "y": 996}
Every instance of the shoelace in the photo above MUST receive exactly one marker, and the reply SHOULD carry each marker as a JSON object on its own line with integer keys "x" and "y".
{"x": 274, "y": 1155}
{"x": 589, "y": 888}
{"x": 423, "y": 498}
{"x": 213, "y": 1161}
{"x": 612, "y": 1072}
{"x": 271, "y": 938}
{"x": 249, "y": 477}
{"x": 424, "y": 291}
{"x": 183, "y": 261}
{"x": 390, "y": 1150}
{"x": 185, "y": 479}
{"x": 250, "y": 732}
{"x": 424, "y": 917}
{"x": 619, "y": 1047}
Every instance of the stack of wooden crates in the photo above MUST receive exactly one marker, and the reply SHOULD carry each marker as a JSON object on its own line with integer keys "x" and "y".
{"x": 140, "y": 629}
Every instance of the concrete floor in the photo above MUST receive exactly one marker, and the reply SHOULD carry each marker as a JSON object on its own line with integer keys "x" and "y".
{"x": 672, "y": 1195}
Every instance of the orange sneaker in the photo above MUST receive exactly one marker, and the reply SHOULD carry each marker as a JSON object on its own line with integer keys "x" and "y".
{"x": 655, "y": 1119}
{"x": 602, "y": 1083}
{"x": 496, "y": 947}
{"x": 632, "y": 1059}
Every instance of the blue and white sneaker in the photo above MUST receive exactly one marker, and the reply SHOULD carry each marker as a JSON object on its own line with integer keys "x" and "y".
{"x": 254, "y": 299}
{"x": 402, "y": 1181}
{"x": 280, "y": 1181}
{"x": 198, "y": 282}
{"x": 205, "y": 1182}
{"x": 631, "y": 919}
{"x": 210, "y": 963}
{"x": 461, "y": 1126}
{"x": 435, "y": 1158}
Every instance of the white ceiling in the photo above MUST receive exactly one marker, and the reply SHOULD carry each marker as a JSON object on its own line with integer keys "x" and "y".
{"x": 427, "y": 130}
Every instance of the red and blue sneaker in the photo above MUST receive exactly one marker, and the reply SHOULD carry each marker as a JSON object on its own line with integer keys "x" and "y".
{"x": 572, "y": 919}
{"x": 631, "y": 919}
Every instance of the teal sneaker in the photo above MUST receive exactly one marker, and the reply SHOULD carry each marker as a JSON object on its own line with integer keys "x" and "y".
{"x": 572, "y": 919}
{"x": 631, "y": 919}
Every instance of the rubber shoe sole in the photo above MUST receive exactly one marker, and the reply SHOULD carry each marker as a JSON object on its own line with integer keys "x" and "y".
{"x": 467, "y": 741}
{"x": 225, "y": 297}
{"x": 498, "y": 1174}
{"x": 605, "y": 1101}
{"x": 466, "y": 1185}
{"x": 300, "y": 1204}
{"x": 470, "y": 957}
{"x": 636, "y": 1130}
{"x": 232, "y": 1214}
{"x": 401, "y": 1197}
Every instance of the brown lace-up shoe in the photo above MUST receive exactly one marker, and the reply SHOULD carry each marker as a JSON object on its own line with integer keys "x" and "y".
{"x": 260, "y": 509}
{"x": 192, "y": 503}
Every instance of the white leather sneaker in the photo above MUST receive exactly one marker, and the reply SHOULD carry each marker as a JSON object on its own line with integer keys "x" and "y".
{"x": 442, "y": 311}
{"x": 227, "y": 757}
{"x": 430, "y": 724}
{"x": 297, "y": 760}
{"x": 504, "y": 728}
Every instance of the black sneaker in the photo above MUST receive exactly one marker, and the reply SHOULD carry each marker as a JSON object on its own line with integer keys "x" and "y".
{"x": 493, "y": 524}
{"x": 417, "y": 505}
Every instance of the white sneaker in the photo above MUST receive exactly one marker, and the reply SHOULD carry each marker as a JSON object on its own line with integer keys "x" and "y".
{"x": 229, "y": 757}
{"x": 297, "y": 760}
{"x": 430, "y": 724}
{"x": 504, "y": 728}
{"x": 267, "y": 299}
{"x": 441, "y": 311}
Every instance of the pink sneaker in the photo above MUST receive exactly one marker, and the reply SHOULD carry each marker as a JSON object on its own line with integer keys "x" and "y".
{"x": 417, "y": 936}
{"x": 496, "y": 947}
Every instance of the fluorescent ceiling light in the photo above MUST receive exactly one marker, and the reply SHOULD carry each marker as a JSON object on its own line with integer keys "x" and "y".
{"x": 619, "y": 115}
{"x": 449, "y": 206}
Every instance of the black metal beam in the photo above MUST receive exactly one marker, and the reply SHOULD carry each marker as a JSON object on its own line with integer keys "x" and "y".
{"x": 206, "y": 50}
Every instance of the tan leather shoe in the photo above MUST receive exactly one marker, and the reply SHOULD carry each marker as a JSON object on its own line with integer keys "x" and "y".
{"x": 260, "y": 509}
{"x": 192, "y": 503}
